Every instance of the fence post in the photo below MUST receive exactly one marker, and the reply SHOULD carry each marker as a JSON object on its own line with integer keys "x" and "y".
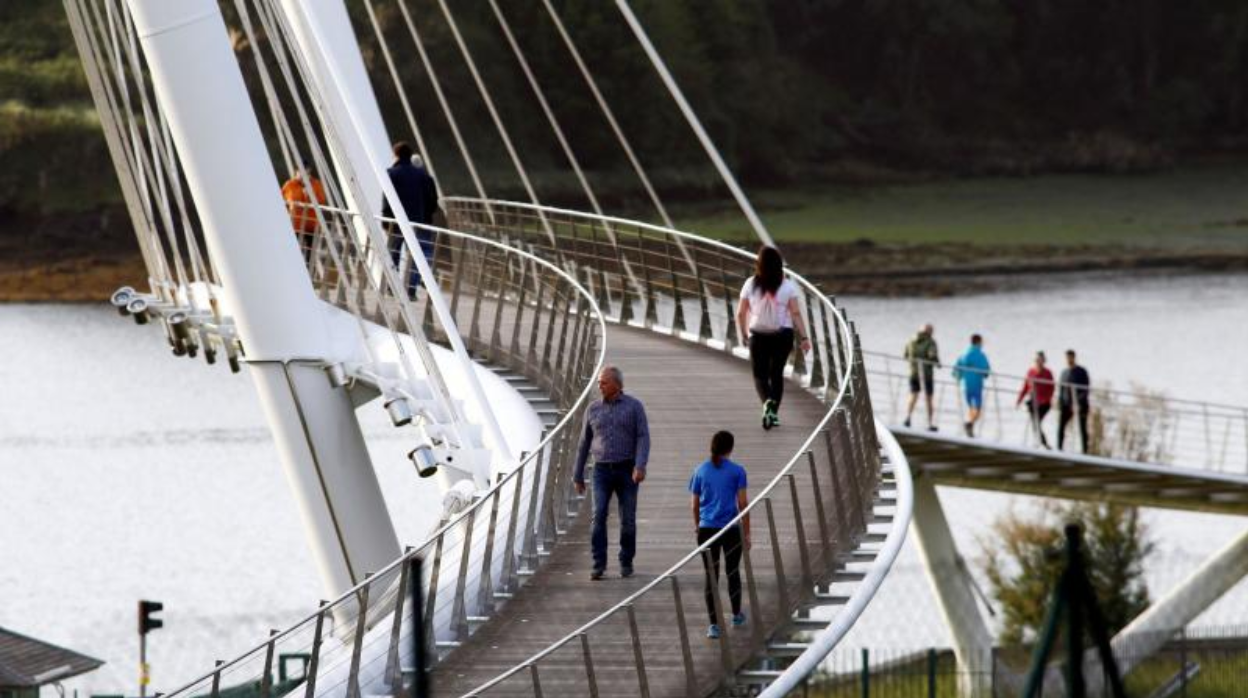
{"x": 931, "y": 672}
{"x": 866, "y": 673}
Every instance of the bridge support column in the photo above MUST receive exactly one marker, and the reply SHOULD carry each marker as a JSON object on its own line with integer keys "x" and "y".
{"x": 266, "y": 288}
{"x": 972, "y": 641}
{"x": 1181, "y": 605}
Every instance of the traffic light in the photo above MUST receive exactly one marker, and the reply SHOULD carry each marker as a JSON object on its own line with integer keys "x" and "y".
{"x": 146, "y": 622}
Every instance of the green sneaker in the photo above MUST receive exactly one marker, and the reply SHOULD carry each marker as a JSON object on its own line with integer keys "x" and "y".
{"x": 770, "y": 419}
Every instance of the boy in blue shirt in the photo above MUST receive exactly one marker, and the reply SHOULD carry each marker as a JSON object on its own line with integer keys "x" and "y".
{"x": 972, "y": 370}
{"x": 719, "y": 494}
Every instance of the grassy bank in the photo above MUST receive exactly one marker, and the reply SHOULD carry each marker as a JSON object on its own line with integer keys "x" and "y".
{"x": 1203, "y": 206}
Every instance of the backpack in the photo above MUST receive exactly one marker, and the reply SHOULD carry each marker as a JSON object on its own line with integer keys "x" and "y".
{"x": 766, "y": 314}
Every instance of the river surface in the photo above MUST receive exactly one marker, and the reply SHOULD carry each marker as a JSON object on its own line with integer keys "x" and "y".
{"x": 127, "y": 473}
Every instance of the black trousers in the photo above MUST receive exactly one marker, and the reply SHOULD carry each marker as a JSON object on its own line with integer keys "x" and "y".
{"x": 769, "y": 352}
{"x": 1038, "y": 413}
{"x": 729, "y": 545}
{"x": 1067, "y": 413}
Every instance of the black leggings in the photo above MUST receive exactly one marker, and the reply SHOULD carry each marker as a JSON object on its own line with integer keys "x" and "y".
{"x": 730, "y": 545}
{"x": 769, "y": 352}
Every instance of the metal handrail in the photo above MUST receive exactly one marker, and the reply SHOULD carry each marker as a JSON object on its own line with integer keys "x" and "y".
{"x": 808, "y": 661}
{"x": 852, "y": 370}
{"x": 572, "y": 414}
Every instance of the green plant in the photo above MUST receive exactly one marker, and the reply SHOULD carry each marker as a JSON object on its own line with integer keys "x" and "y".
{"x": 1022, "y": 564}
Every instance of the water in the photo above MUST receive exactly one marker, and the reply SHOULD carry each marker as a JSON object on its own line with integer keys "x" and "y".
{"x": 126, "y": 473}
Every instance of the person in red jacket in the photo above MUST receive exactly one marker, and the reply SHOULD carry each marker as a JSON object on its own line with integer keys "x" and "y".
{"x": 1038, "y": 389}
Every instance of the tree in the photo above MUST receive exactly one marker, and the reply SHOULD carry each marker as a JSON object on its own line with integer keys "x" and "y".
{"x": 1023, "y": 563}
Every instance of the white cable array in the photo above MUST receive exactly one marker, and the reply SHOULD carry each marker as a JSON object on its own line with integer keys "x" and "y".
{"x": 494, "y": 115}
{"x": 695, "y": 123}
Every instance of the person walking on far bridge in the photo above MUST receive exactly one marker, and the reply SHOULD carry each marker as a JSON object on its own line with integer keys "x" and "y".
{"x": 617, "y": 435}
{"x": 1038, "y": 390}
{"x": 767, "y": 314}
{"x": 922, "y": 355}
{"x": 972, "y": 370}
{"x": 719, "y": 494}
{"x": 1072, "y": 401}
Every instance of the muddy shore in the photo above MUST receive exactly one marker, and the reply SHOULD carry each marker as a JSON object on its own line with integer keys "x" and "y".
{"x": 862, "y": 268}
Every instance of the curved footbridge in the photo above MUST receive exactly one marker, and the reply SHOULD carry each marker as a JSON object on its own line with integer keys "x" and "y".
{"x": 1154, "y": 451}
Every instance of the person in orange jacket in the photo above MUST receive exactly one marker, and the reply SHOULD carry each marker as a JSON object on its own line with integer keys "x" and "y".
{"x": 299, "y": 204}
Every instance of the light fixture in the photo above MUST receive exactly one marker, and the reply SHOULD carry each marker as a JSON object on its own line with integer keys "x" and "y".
{"x": 137, "y": 307}
{"x": 400, "y": 411}
{"x": 180, "y": 334}
{"x": 423, "y": 458}
{"x": 121, "y": 298}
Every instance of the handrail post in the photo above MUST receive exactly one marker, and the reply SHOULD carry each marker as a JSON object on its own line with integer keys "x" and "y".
{"x": 802, "y": 549}
{"x": 589, "y": 666}
{"x": 717, "y": 609}
{"x": 751, "y": 590}
{"x": 643, "y": 682}
{"x": 459, "y": 611}
{"x": 266, "y": 679}
{"x": 309, "y": 688}
{"x": 215, "y": 691}
{"x": 431, "y": 599}
{"x": 824, "y": 538}
{"x": 394, "y": 673}
{"x": 507, "y": 581}
{"x": 686, "y": 654}
{"x": 485, "y": 592}
{"x": 781, "y": 584}
{"x": 357, "y": 645}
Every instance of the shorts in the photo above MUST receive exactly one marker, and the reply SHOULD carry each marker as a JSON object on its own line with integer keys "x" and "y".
{"x": 974, "y": 398}
{"x": 929, "y": 385}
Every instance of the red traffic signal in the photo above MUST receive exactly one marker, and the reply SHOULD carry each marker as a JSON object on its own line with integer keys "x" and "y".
{"x": 146, "y": 622}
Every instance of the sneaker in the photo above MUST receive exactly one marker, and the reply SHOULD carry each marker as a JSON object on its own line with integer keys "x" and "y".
{"x": 596, "y": 575}
{"x": 970, "y": 430}
{"x": 713, "y": 632}
{"x": 738, "y": 619}
{"x": 906, "y": 423}
{"x": 767, "y": 414}
{"x": 931, "y": 427}
{"x": 626, "y": 572}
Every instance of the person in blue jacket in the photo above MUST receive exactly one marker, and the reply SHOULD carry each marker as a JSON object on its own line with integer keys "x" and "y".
{"x": 972, "y": 370}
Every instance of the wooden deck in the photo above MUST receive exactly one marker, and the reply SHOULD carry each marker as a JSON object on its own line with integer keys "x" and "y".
{"x": 689, "y": 392}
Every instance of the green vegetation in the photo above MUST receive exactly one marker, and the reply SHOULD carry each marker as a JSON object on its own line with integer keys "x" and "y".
{"x": 1194, "y": 206}
{"x": 1023, "y": 567}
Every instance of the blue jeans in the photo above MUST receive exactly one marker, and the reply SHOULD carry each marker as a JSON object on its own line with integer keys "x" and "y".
{"x": 617, "y": 479}
{"x": 396, "y": 255}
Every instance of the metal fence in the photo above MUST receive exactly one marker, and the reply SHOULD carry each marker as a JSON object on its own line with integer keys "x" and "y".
{"x": 1133, "y": 425}
{"x": 1193, "y": 663}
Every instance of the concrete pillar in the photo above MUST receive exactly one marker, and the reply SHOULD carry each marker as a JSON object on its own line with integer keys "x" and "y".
{"x": 951, "y": 581}
{"x": 266, "y": 286}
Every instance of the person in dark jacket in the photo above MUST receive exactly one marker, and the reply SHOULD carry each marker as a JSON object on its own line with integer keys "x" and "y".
{"x": 418, "y": 196}
{"x": 1072, "y": 399}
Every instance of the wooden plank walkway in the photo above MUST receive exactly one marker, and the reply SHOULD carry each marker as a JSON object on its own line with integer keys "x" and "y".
{"x": 689, "y": 392}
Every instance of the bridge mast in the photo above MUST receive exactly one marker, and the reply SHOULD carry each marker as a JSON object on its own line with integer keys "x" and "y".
{"x": 266, "y": 287}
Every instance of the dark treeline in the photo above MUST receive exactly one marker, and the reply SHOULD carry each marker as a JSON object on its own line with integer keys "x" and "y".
{"x": 792, "y": 90}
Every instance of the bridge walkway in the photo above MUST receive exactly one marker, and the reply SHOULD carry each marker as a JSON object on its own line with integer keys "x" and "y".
{"x": 689, "y": 393}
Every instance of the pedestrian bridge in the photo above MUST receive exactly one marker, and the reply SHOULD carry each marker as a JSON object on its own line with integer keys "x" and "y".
{"x": 1145, "y": 449}
{"x": 543, "y": 297}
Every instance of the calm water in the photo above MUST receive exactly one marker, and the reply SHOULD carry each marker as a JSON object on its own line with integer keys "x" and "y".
{"x": 127, "y": 473}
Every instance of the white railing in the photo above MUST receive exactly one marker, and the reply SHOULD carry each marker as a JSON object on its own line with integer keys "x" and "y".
{"x": 1136, "y": 425}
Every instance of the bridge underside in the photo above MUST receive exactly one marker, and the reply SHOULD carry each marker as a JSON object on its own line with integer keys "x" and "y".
{"x": 980, "y": 464}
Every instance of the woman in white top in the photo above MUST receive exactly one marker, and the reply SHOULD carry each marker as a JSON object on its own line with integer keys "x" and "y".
{"x": 767, "y": 315}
